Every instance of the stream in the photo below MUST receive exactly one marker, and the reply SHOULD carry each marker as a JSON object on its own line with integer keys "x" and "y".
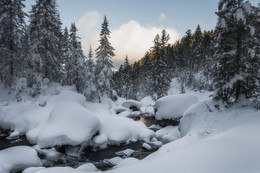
{"x": 99, "y": 157}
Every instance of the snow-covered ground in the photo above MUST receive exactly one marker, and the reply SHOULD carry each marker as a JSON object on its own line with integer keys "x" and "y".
{"x": 215, "y": 140}
{"x": 210, "y": 137}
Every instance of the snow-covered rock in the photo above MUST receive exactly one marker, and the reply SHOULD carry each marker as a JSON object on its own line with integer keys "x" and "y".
{"x": 119, "y": 109}
{"x": 147, "y": 101}
{"x": 116, "y": 129}
{"x": 68, "y": 124}
{"x": 18, "y": 158}
{"x": 125, "y": 153}
{"x": 113, "y": 161}
{"x": 146, "y": 146}
{"x": 168, "y": 134}
{"x": 132, "y": 104}
{"x": 172, "y": 107}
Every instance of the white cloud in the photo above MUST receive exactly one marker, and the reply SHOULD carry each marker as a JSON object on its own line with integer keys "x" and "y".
{"x": 162, "y": 17}
{"x": 89, "y": 27}
{"x": 134, "y": 40}
{"x": 131, "y": 38}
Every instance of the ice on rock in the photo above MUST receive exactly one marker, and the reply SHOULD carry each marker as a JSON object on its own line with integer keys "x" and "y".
{"x": 18, "y": 158}
{"x": 172, "y": 107}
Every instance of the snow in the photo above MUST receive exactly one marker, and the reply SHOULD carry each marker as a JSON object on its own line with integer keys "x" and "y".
{"x": 113, "y": 161}
{"x": 125, "y": 153}
{"x": 126, "y": 162}
{"x": 131, "y": 103}
{"x": 171, "y": 107}
{"x": 18, "y": 158}
{"x": 63, "y": 117}
{"x": 147, "y": 101}
{"x": 49, "y": 154}
{"x": 240, "y": 16}
{"x": 146, "y": 146}
{"x": 216, "y": 140}
{"x": 175, "y": 90}
{"x": 116, "y": 129}
{"x": 68, "y": 124}
{"x": 168, "y": 134}
{"x": 87, "y": 167}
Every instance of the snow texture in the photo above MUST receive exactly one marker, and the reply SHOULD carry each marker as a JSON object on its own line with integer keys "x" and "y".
{"x": 18, "y": 158}
{"x": 131, "y": 103}
{"x": 168, "y": 134}
{"x": 171, "y": 107}
{"x": 216, "y": 140}
{"x": 117, "y": 129}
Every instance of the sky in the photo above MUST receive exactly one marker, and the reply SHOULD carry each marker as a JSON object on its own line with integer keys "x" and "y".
{"x": 134, "y": 23}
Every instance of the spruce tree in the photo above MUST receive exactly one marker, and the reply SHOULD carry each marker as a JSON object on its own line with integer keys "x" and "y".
{"x": 44, "y": 57}
{"x": 103, "y": 71}
{"x": 234, "y": 69}
{"x": 161, "y": 76}
{"x": 75, "y": 65}
{"x": 90, "y": 90}
{"x": 12, "y": 41}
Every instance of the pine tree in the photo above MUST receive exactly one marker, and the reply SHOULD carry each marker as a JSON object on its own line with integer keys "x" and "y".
{"x": 65, "y": 52}
{"x": 234, "y": 70}
{"x": 12, "y": 38}
{"x": 126, "y": 76}
{"x": 90, "y": 90}
{"x": 44, "y": 57}
{"x": 161, "y": 76}
{"x": 75, "y": 65}
{"x": 103, "y": 71}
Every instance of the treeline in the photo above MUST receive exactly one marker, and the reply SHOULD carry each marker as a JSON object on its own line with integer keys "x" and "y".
{"x": 33, "y": 55}
{"x": 189, "y": 59}
{"x": 226, "y": 60}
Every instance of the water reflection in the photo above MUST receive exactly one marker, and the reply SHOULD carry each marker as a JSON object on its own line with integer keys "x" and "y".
{"x": 147, "y": 121}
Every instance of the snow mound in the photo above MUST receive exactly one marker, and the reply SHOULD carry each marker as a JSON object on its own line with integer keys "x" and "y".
{"x": 147, "y": 101}
{"x": 168, "y": 134}
{"x": 131, "y": 103}
{"x": 68, "y": 124}
{"x": 18, "y": 158}
{"x": 172, "y": 107}
{"x": 126, "y": 162}
{"x": 208, "y": 117}
{"x": 116, "y": 130}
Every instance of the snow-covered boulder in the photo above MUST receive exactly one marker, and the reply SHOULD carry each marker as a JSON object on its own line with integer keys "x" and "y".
{"x": 68, "y": 124}
{"x": 119, "y": 109}
{"x": 116, "y": 130}
{"x": 168, "y": 134}
{"x": 18, "y": 158}
{"x": 132, "y": 104}
{"x": 147, "y": 101}
{"x": 172, "y": 107}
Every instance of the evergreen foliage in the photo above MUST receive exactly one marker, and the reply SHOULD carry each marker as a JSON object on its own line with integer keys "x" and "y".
{"x": 103, "y": 71}
{"x": 12, "y": 38}
{"x": 44, "y": 42}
